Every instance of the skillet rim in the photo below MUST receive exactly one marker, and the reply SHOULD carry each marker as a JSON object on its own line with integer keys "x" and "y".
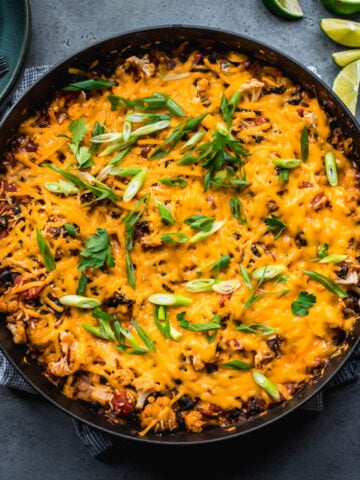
{"x": 47, "y": 390}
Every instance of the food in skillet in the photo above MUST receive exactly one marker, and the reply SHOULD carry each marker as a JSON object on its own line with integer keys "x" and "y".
{"x": 179, "y": 241}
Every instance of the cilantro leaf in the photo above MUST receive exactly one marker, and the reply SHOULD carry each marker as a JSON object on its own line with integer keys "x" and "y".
{"x": 301, "y": 306}
{"x": 82, "y": 154}
{"x": 275, "y": 225}
{"x": 97, "y": 252}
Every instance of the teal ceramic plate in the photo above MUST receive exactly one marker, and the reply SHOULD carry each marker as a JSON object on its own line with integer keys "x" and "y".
{"x": 14, "y": 40}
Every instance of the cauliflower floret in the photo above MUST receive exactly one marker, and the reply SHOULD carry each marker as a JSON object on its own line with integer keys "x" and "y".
{"x": 143, "y": 66}
{"x": 66, "y": 364}
{"x": 194, "y": 421}
{"x": 252, "y": 90}
{"x": 144, "y": 385}
{"x": 18, "y": 331}
{"x": 125, "y": 376}
{"x": 160, "y": 411}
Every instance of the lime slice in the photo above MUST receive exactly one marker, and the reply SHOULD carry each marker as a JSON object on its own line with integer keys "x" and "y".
{"x": 285, "y": 8}
{"x": 343, "y": 7}
{"x": 345, "y": 32}
{"x": 347, "y": 56}
{"x": 346, "y": 85}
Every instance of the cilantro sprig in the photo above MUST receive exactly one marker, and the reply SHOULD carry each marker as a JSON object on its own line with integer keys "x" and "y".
{"x": 97, "y": 252}
{"x": 82, "y": 154}
{"x": 303, "y": 303}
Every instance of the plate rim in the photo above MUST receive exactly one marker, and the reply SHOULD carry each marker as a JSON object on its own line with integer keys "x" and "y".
{"x": 14, "y": 75}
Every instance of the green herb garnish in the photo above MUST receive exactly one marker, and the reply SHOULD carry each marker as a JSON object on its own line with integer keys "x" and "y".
{"x": 304, "y": 144}
{"x": 275, "y": 225}
{"x": 196, "y": 327}
{"x": 97, "y": 252}
{"x": 83, "y": 281}
{"x": 237, "y": 365}
{"x": 174, "y": 182}
{"x": 301, "y": 306}
{"x": 228, "y": 107}
{"x": 177, "y": 134}
{"x": 165, "y": 213}
{"x": 174, "y": 237}
{"x": 78, "y": 129}
{"x": 91, "y": 84}
{"x": 45, "y": 252}
{"x": 71, "y": 230}
{"x": 256, "y": 329}
{"x": 237, "y": 210}
{"x": 99, "y": 189}
{"x": 327, "y": 282}
{"x": 200, "y": 222}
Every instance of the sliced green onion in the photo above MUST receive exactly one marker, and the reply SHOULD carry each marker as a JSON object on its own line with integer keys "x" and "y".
{"x": 200, "y": 222}
{"x": 91, "y": 84}
{"x": 328, "y": 283}
{"x": 304, "y": 144}
{"x": 71, "y": 230}
{"x": 107, "y": 137}
{"x": 113, "y": 163}
{"x": 196, "y": 327}
{"x": 144, "y": 336}
{"x": 175, "y": 334}
{"x": 200, "y": 285}
{"x": 286, "y": 162}
{"x": 246, "y": 277}
{"x": 194, "y": 140}
{"x": 171, "y": 105}
{"x": 257, "y": 329}
{"x": 174, "y": 237}
{"x": 331, "y": 168}
{"x": 237, "y": 210}
{"x": 226, "y": 287}
{"x": 268, "y": 272}
{"x": 95, "y": 331}
{"x": 45, "y": 252}
{"x": 173, "y": 182}
{"x": 265, "y": 384}
{"x": 124, "y": 171}
{"x": 220, "y": 128}
{"x": 161, "y": 320}
{"x": 284, "y": 175}
{"x": 174, "y": 76}
{"x": 170, "y": 299}
{"x": 62, "y": 186}
{"x": 198, "y": 237}
{"x": 79, "y": 301}
{"x": 333, "y": 259}
{"x": 210, "y": 338}
{"x": 118, "y": 145}
{"x": 237, "y": 365}
{"x": 135, "y": 184}
{"x": 83, "y": 281}
{"x": 130, "y": 270}
{"x": 126, "y": 129}
{"x": 165, "y": 213}
{"x": 151, "y": 128}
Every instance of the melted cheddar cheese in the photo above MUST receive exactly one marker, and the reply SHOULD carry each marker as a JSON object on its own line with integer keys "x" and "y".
{"x": 268, "y": 122}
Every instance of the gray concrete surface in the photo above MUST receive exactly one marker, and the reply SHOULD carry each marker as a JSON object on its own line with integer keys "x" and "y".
{"x": 38, "y": 442}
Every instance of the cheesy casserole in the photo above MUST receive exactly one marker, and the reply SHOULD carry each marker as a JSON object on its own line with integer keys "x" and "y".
{"x": 179, "y": 239}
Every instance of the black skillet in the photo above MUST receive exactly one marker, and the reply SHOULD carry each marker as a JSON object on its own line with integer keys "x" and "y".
{"x": 165, "y": 37}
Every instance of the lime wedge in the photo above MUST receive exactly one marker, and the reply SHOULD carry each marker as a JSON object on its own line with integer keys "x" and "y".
{"x": 343, "y": 7}
{"x": 346, "y": 85}
{"x": 345, "y": 32}
{"x": 285, "y": 8}
{"x": 345, "y": 57}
